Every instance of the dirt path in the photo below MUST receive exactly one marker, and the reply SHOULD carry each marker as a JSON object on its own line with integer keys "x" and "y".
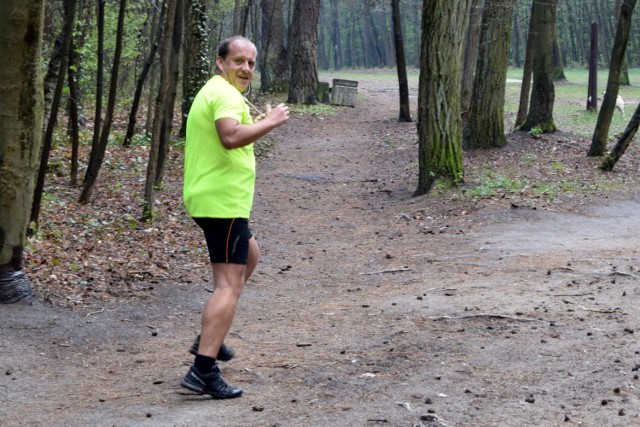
{"x": 370, "y": 308}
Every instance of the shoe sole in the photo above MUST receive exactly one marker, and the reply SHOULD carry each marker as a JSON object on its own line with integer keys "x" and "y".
{"x": 193, "y": 387}
{"x": 200, "y": 390}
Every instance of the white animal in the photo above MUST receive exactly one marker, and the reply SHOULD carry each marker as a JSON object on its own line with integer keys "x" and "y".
{"x": 619, "y": 103}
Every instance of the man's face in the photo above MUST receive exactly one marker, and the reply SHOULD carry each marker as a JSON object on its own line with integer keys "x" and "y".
{"x": 237, "y": 67}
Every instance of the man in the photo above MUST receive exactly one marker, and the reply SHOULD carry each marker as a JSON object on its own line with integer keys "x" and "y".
{"x": 219, "y": 176}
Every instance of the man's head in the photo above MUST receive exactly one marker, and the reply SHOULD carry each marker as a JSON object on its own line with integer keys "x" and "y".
{"x": 236, "y": 61}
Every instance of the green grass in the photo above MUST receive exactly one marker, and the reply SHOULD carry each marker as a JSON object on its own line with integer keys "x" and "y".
{"x": 380, "y": 74}
{"x": 570, "y": 109}
{"x": 318, "y": 109}
{"x": 570, "y": 113}
{"x": 492, "y": 184}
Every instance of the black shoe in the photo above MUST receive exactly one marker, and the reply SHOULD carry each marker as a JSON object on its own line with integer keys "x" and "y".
{"x": 224, "y": 354}
{"x": 211, "y": 383}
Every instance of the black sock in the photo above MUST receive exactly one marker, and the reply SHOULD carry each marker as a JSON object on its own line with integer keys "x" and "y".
{"x": 204, "y": 364}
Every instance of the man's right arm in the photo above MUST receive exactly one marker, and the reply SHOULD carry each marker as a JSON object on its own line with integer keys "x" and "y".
{"x": 235, "y": 135}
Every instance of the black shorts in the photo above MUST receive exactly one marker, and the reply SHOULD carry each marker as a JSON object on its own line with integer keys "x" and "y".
{"x": 227, "y": 239}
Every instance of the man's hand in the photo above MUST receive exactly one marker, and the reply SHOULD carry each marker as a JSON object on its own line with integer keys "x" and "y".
{"x": 278, "y": 115}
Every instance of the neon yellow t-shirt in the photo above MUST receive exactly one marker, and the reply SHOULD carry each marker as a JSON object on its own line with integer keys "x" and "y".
{"x": 218, "y": 182}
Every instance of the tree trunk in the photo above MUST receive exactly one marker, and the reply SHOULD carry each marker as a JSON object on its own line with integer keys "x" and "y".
{"x": 624, "y": 73}
{"x": 70, "y": 10}
{"x": 439, "y": 122}
{"x": 274, "y": 73}
{"x": 196, "y": 59}
{"x": 97, "y": 119}
{"x": 167, "y": 117}
{"x": 525, "y": 89}
{"x": 621, "y": 146}
{"x": 470, "y": 58}
{"x": 137, "y": 95}
{"x": 405, "y": 110}
{"x": 74, "y": 114}
{"x": 486, "y": 115}
{"x": 53, "y": 73}
{"x": 558, "y": 65}
{"x": 601, "y": 132}
{"x": 543, "y": 16}
{"x": 94, "y": 161}
{"x": 240, "y": 16}
{"x": 237, "y": 18}
{"x": 160, "y": 107}
{"x": 22, "y": 106}
{"x": 335, "y": 35}
{"x": 97, "y": 157}
{"x": 303, "y": 43}
{"x": 517, "y": 40}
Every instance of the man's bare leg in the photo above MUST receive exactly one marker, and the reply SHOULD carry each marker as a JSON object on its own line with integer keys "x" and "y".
{"x": 220, "y": 309}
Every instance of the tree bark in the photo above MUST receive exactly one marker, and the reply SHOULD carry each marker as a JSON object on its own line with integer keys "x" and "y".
{"x": 486, "y": 115}
{"x": 527, "y": 70}
{"x": 196, "y": 59}
{"x": 401, "y": 66}
{"x": 303, "y": 43}
{"x": 94, "y": 163}
{"x": 623, "y": 143}
{"x": 94, "y": 168}
{"x": 70, "y": 10}
{"x": 274, "y": 71}
{"x": 558, "y": 64}
{"x": 601, "y": 132}
{"x": 146, "y": 68}
{"x": 470, "y": 58}
{"x": 162, "y": 101}
{"x": 22, "y": 106}
{"x": 167, "y": 116}
{"x": 543, "y": 16}
{"x": 97, "y": 119}
{"x": 439, "y": 121}
{"x": 74, "y": 114}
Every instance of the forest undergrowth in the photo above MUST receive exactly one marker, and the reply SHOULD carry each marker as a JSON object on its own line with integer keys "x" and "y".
{"x": 83, "y": 254}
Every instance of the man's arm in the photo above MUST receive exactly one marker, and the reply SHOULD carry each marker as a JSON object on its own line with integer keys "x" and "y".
{"x": 235, "y": 135}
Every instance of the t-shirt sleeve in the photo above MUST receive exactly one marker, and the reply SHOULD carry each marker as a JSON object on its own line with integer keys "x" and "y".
{"x": 229, "y": 105}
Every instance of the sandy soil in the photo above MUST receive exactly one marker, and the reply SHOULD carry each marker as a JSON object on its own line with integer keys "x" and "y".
{"x": 370, "y": 307}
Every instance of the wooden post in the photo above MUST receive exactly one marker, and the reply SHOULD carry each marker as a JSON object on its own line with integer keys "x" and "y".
{"x": 592, "y": 88}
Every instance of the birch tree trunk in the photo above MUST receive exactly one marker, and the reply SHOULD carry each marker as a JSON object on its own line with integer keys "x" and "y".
{"x": 22, "y": 106}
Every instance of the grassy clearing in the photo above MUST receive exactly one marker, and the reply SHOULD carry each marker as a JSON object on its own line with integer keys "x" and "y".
{"x": 570, "y": 113}
{"x": 537, "y": 174}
